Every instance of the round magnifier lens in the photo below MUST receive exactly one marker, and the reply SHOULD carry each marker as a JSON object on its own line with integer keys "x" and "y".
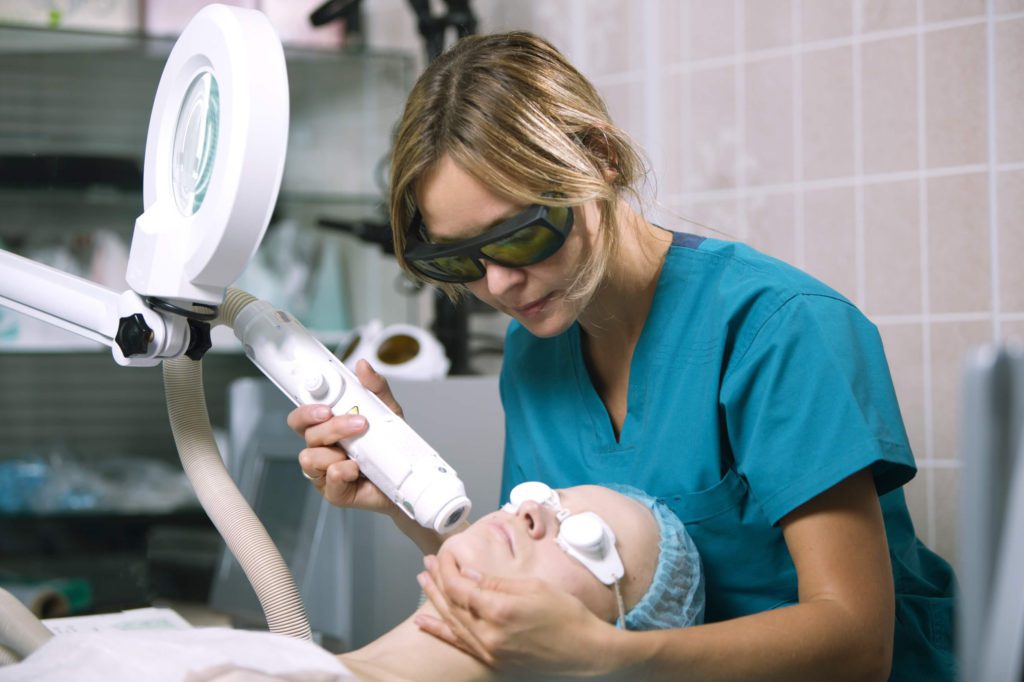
{"x": 195, "y": 143}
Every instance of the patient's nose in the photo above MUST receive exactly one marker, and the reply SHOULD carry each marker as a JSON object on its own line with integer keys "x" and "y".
{"x": 535, "y": 517}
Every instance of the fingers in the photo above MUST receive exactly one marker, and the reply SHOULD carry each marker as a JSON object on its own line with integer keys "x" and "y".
{"x": 472, "y": 606}
{"x": 438, "y": 628}
{"x": 314, "y": 462}
{"x": 334, "y": 475}
{"x": 373, "y": 381}
{"x": 456, "y": 628}
{"x": 318, "y": 426}
{"x": 462, "y": 587}
{"x": 338, "y": 428}
{"x": 304, "y": 416}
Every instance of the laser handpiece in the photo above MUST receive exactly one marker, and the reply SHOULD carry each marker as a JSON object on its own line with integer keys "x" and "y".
{"x": 390, "y": 453}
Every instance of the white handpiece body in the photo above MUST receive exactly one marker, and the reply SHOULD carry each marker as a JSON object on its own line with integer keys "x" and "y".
{"x": 390, "y": 453}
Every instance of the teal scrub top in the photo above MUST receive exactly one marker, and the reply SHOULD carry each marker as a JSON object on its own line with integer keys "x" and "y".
{"x": 753, "y": 388}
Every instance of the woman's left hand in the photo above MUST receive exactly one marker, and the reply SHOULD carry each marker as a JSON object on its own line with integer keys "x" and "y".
{"x": 511, "y": 621}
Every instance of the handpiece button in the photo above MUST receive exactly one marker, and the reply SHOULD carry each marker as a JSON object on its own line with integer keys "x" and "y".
{"x": 317, "y": 386}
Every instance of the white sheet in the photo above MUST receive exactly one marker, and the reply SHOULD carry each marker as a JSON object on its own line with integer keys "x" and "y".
{"x": 195, "y": 655}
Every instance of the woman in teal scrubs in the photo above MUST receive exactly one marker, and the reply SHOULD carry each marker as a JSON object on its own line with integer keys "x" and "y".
{"x": 751, "y": 398}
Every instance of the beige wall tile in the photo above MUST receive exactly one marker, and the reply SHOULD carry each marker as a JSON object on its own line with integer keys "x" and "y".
{"x": 769, "y": 120}
{"x": 889, "y": 105}
{"x": 768, "y": 24}
{"x": 547, "y": 19}
{"x": 712, "y": 29}
{"x": 916, "y": 493}
{"x": 883, "y": 15}
{"x": 615, "y": 39}
{"x": 719, "y": 217}
{"x": 892, "y": 248}
{"x": 827, "y": 117}
{"x": 676, "y": 152}
{"x": 1010, "y": 191}
{"x": 830, "y": 238}
{"x": 1006, "y": 6}
{"x": 955, "y": 96}
{"x": 772, "y": 226}
{"x": 904, "y": 350}
{"x": 625, "y": 102}
{"x": 1012, "y": 331}
{"x": 825, "y": 19}
{"x": 959, "y": 268}
{"x": 946, "y": 10}
{"x": 712, "y": 135}
{"x": 672, "y": 215}
{"x": 1009, "y": 87}
{"x": 683, "y": 218}
{"x": 674, "y": 31}
{"x": 950, "y": 343}
{"x": 947, "y": 506}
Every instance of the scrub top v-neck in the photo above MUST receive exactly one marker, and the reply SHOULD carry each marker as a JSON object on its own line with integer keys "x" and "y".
{"x": 753, "y": 388}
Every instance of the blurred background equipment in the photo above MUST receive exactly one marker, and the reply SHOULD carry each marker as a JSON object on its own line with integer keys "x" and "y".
{"x": 451, "y": 323}
{"x": 990, "y": 626}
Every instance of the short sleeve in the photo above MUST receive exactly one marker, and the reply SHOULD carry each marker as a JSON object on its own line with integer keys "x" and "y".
{"x": 809, "y": 402}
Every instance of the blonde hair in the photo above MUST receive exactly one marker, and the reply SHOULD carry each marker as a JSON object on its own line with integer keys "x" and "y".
{"x": 514, "y": 114}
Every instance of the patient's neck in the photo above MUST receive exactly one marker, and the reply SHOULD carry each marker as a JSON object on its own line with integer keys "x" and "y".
{"x": 408, "y": 653}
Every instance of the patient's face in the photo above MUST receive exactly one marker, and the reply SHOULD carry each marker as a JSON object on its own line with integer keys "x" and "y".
{"x": 523, "y": 545}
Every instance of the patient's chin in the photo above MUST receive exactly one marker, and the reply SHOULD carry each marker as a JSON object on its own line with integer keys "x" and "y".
{"x": 469, "y": 553}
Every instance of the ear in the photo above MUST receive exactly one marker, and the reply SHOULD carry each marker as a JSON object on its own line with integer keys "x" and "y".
{"x": 596, "y": 140}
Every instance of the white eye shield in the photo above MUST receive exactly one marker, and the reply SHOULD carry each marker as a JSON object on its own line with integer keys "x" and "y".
{"x": 585, "y": 536}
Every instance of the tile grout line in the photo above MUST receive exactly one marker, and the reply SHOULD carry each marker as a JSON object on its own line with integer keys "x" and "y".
{"x": 652, "y": 83}
{"x": 916, "y": 318}
{"x": 739, "y": 90}
{"x": 993, "y": 180}
{"x": 796, "y": 12}
{"x": 860, "y": 248}
{"x": 711, "y": 63}
{"x": 922, "y": 200}
{"x": 577, "y": 14}
{"x": 847, "y": 181}
{"x": 689, "y": 163}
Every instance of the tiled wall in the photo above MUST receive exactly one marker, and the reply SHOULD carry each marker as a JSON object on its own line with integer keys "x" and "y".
{"x": 875, "y": 143}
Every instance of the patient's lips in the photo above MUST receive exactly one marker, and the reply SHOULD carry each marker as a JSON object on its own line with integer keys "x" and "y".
{"x": 504, "y": 534}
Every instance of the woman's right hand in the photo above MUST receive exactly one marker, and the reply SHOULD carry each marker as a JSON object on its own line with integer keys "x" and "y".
{"x": 324, "y": 460}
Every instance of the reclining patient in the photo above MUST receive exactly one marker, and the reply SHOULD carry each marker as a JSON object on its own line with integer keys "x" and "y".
{"x": 556, "y": 536}
{"x": 624, "y": 555}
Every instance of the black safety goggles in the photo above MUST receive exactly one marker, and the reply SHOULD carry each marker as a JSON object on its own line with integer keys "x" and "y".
{"x": 528, "y": 237}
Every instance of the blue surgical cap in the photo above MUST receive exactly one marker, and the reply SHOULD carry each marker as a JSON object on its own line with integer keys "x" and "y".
{"x": 675, "y": 598}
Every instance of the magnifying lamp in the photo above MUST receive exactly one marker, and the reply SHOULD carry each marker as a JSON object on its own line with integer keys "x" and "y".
{"x": 220, "y": 120}
{"x": 215, "y": 155}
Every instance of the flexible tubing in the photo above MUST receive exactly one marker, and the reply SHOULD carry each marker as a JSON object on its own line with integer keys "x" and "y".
{"x": 242, "y": 531}
{"x": 21, "y": 632}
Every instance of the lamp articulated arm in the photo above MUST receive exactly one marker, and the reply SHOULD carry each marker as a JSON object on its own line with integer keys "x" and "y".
{"x": 137, "y": 334}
